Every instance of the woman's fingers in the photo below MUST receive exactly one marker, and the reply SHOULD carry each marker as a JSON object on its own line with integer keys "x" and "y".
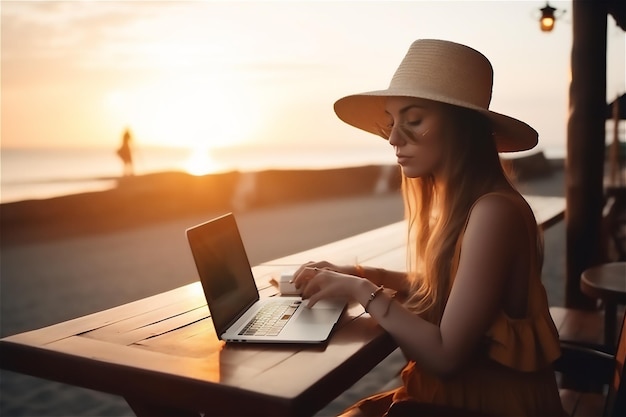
{"x": 312, "y": 278}
{"x": 304, "y": 274}
{"x": 300, "y": 269}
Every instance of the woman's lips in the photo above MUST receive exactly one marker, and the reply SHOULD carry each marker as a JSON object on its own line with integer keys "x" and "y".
{"x": 402, "y": 159}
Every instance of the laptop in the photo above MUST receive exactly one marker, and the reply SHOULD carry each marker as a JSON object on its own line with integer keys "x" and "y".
{"x": 233, "y": 297}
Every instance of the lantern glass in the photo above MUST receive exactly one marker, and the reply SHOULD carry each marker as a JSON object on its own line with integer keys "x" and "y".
{"x": 547, "y": 23}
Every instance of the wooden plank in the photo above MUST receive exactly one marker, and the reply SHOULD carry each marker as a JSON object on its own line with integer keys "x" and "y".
{"x": 148, "y": 325}
{"x": 395, "y": 260}
{"x": 196, "y": 340}
{"x": 207, "y": 369}
{"x": 341, "y": 367}
{"x": 359, "y": 248}
{"x": 187, "y": 294}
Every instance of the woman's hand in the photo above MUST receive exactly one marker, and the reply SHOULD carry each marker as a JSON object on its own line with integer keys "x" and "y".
{"x": 320, "y": 280}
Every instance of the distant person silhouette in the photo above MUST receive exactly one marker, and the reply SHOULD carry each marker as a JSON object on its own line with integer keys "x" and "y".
{"x": 125, "y": 153}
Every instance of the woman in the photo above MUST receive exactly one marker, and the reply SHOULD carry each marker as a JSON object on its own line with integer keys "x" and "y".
{"x": 472, "y": 317}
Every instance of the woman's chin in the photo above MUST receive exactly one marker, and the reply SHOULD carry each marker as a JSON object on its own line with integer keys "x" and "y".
{"x": 410, "y": 172}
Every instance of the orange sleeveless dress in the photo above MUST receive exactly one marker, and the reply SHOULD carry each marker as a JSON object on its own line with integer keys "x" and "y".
{"x": 512, "y": 373}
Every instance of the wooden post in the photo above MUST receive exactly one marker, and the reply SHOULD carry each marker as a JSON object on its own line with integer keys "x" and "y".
{"x": 585, "y": 146}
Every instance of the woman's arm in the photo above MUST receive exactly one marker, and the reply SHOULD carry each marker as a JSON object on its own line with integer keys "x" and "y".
{"x": 494, "y": 237}
{"x": 394, "y": 280}
{"x": 492, "y": 240}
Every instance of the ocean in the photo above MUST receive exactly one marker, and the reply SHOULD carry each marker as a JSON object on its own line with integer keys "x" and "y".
{"x": 44, "y": 173}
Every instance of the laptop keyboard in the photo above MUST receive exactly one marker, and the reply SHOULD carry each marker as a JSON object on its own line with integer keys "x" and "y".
{"x": 270, "y": 319}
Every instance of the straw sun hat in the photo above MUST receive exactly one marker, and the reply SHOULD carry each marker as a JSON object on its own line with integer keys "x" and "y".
{"x": 441, "y": 71}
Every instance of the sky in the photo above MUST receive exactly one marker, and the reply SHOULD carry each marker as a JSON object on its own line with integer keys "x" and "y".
{"x": 220, "y": 73}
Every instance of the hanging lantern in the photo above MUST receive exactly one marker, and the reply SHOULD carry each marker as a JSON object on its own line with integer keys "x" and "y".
{"x": 547, "y": 20}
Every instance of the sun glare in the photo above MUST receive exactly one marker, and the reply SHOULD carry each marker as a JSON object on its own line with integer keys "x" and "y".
{"x": 200, "y": 162}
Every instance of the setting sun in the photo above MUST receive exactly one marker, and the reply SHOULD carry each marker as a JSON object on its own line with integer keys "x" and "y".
{"x": 200, "y": 162}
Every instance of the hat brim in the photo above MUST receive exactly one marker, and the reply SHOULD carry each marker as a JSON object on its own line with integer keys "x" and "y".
{"x": 366, "y": 111}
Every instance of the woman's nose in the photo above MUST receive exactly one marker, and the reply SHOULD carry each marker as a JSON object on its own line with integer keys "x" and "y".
{"x": 396, "y": 138}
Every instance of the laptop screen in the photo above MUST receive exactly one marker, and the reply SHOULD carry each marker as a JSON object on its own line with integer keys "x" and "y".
{"x": 224, "y": 269}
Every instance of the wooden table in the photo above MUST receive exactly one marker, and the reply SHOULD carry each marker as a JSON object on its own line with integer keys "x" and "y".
{"x": 606, "y": 282}
{"x": 161, "y": 353}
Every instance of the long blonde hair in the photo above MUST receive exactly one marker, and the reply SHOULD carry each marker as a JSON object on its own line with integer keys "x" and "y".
{"x": 471, "y": 168}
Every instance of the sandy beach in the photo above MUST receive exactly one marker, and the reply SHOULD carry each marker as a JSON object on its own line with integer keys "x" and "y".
{"x": 70, "y": 256}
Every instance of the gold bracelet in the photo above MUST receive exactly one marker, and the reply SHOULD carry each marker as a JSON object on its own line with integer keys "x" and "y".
{"x": 360, "y": 271}
{"x": 372, "y": 296}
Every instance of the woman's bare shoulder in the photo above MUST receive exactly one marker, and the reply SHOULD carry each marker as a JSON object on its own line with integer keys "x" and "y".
{"x": 499, "y": 209}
